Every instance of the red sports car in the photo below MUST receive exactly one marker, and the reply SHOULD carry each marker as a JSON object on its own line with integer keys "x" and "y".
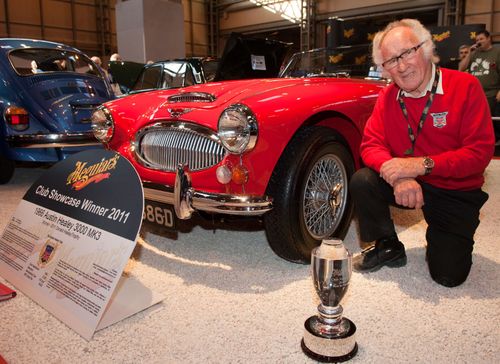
{"x": 283, "y": 148}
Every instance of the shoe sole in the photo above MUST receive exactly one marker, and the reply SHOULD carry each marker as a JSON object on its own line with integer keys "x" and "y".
{"x": 395, "y": 263}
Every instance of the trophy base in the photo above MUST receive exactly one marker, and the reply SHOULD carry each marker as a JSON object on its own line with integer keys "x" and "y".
{"x": 329, "y": 349}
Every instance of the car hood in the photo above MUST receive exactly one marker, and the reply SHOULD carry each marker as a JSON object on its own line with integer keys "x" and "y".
{"x": 64, "y": 103}
{"x": 141, "y": 109}
{"x": 221, "y": 93}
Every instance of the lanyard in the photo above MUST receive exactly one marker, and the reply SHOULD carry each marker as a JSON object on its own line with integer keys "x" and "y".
{"x": 411, "y": 135}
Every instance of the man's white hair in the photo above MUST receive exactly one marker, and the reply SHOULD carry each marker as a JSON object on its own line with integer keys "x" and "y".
{"x": 420, "y": 32}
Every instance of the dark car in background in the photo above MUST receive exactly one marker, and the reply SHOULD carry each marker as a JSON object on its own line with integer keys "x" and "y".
{"x": 247, "y": 57}
{"x": 136, "y": 77}
{"x": 243, "y": 57}
{"x": 48, "y": 92}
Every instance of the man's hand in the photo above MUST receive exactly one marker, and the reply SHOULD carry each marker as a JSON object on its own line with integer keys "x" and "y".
{"x": 397, "y": 168}
{"x": 408, "y": 193}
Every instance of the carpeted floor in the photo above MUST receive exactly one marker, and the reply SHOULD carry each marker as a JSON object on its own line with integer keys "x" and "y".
{"x": 229, "y": 299}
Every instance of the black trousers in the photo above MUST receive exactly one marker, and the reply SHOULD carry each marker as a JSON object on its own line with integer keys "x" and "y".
{"x": 452, "y": 218}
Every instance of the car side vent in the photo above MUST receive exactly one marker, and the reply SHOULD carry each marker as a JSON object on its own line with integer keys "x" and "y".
{"x": 192, "y": 97}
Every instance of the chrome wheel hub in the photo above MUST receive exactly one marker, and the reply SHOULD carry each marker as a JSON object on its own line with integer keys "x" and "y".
{"x": 325, "y": 196}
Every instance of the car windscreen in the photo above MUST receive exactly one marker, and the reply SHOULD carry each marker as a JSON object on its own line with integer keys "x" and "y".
{"x": 339, "y": 62}
{"x": 167, "y": 75}
{"x": 148, "y": 79}
{"x": 31, "y": 61}
{"x": 177, "y": 74}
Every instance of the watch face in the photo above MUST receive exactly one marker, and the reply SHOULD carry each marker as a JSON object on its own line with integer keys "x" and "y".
{"x": 428, "y": 163}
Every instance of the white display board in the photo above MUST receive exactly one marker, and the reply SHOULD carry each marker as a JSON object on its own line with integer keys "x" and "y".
{"x": 71, "y": 236}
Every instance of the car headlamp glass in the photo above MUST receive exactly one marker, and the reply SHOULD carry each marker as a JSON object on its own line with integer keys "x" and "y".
{"x": 237, "y": 129}
{"x": 102, "y": 124}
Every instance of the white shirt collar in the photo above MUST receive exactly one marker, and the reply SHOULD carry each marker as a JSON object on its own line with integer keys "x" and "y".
{"x": 439, "y": 89}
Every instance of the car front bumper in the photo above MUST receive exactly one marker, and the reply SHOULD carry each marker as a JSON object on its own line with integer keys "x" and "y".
{"x": 186, "y": 199}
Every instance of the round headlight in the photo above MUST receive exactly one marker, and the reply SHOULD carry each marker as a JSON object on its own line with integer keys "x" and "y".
{"x": 237, "y": 129}
{"x": 102, "y": 124}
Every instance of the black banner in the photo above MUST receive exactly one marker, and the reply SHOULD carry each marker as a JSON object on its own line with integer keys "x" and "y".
{"x": 97, "y": 187}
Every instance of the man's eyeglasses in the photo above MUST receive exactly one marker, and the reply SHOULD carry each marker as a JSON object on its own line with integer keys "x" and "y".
{"x": 409, "y": 54}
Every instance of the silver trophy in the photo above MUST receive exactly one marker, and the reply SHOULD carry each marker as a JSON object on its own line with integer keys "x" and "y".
{"x": 329, "y": 337}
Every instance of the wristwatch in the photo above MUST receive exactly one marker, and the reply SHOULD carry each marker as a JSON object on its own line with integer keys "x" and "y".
{"x": 428, "y": 164}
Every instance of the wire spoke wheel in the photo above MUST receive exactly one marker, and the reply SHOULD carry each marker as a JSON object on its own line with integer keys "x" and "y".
{"x": 309, "y": 187}
{"x": 325, "y": 196}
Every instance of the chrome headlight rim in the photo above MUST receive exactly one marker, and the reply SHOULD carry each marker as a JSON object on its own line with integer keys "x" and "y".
{"x": 103, "y": 125}
{"x": 249, "y": 137}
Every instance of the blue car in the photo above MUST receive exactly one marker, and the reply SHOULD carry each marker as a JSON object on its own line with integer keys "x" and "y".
{"x": 48, "y": 92}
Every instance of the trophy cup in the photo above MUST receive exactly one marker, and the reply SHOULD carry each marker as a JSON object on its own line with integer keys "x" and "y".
{"x": 329, "y": 337}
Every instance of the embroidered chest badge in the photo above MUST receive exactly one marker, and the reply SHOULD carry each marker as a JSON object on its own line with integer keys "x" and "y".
{"x": 439, "y": 119}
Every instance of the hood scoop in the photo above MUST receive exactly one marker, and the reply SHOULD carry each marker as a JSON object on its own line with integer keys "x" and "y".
{"x": 192, "y": 97}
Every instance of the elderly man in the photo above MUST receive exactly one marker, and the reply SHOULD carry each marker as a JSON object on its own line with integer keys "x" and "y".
{"x": 426, "y": 145}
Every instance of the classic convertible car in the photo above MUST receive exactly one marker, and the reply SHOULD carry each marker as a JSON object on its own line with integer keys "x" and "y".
{"x": 48, "y": 92}
{"x": 283, "y": 148}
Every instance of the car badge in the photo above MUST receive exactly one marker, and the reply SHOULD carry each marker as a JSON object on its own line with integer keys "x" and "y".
{"x": 178, "y": 112}
{"x": 439, "y": 119}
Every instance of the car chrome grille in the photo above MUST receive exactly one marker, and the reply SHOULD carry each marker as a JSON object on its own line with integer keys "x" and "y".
{"x": 164, "y": 147}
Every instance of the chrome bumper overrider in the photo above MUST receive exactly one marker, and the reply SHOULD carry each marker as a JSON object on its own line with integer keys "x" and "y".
{"x": 186, "y": 200}
{"x": 52, "y": 140}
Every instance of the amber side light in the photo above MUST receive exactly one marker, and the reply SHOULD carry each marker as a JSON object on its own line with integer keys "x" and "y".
{"x": 240, "y": 174}
{"x": 17, "y": 118}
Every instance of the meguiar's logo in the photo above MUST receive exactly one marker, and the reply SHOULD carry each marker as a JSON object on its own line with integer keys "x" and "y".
{"x": 360, "y": 60}
{"x": 83, "y": 175}
{"x": 442, "y": 36}
{"x": 336, "y": 58}
{"x": 348, "y": 33}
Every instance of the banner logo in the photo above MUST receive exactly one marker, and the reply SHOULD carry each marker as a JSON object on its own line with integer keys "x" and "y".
{"x": 442, "y": 36}
{"x": 348, "y": 33}
{"x": 360, "y": 60}
{"x": 337, "y": 58}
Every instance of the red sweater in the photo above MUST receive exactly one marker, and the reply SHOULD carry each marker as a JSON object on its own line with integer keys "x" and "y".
{"x": 458, "y": 137}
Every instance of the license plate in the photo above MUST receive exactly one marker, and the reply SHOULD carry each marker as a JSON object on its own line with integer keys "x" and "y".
{"x": 159, "y": 214}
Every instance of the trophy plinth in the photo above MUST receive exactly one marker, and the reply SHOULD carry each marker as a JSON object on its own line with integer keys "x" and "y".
{"x": 329, "y": 337}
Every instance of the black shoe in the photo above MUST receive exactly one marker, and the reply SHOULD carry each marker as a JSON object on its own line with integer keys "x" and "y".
{"x": 389, "y": 252}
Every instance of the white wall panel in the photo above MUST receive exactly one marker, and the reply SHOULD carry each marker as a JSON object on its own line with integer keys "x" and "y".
{"x": 150, "y": 30}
